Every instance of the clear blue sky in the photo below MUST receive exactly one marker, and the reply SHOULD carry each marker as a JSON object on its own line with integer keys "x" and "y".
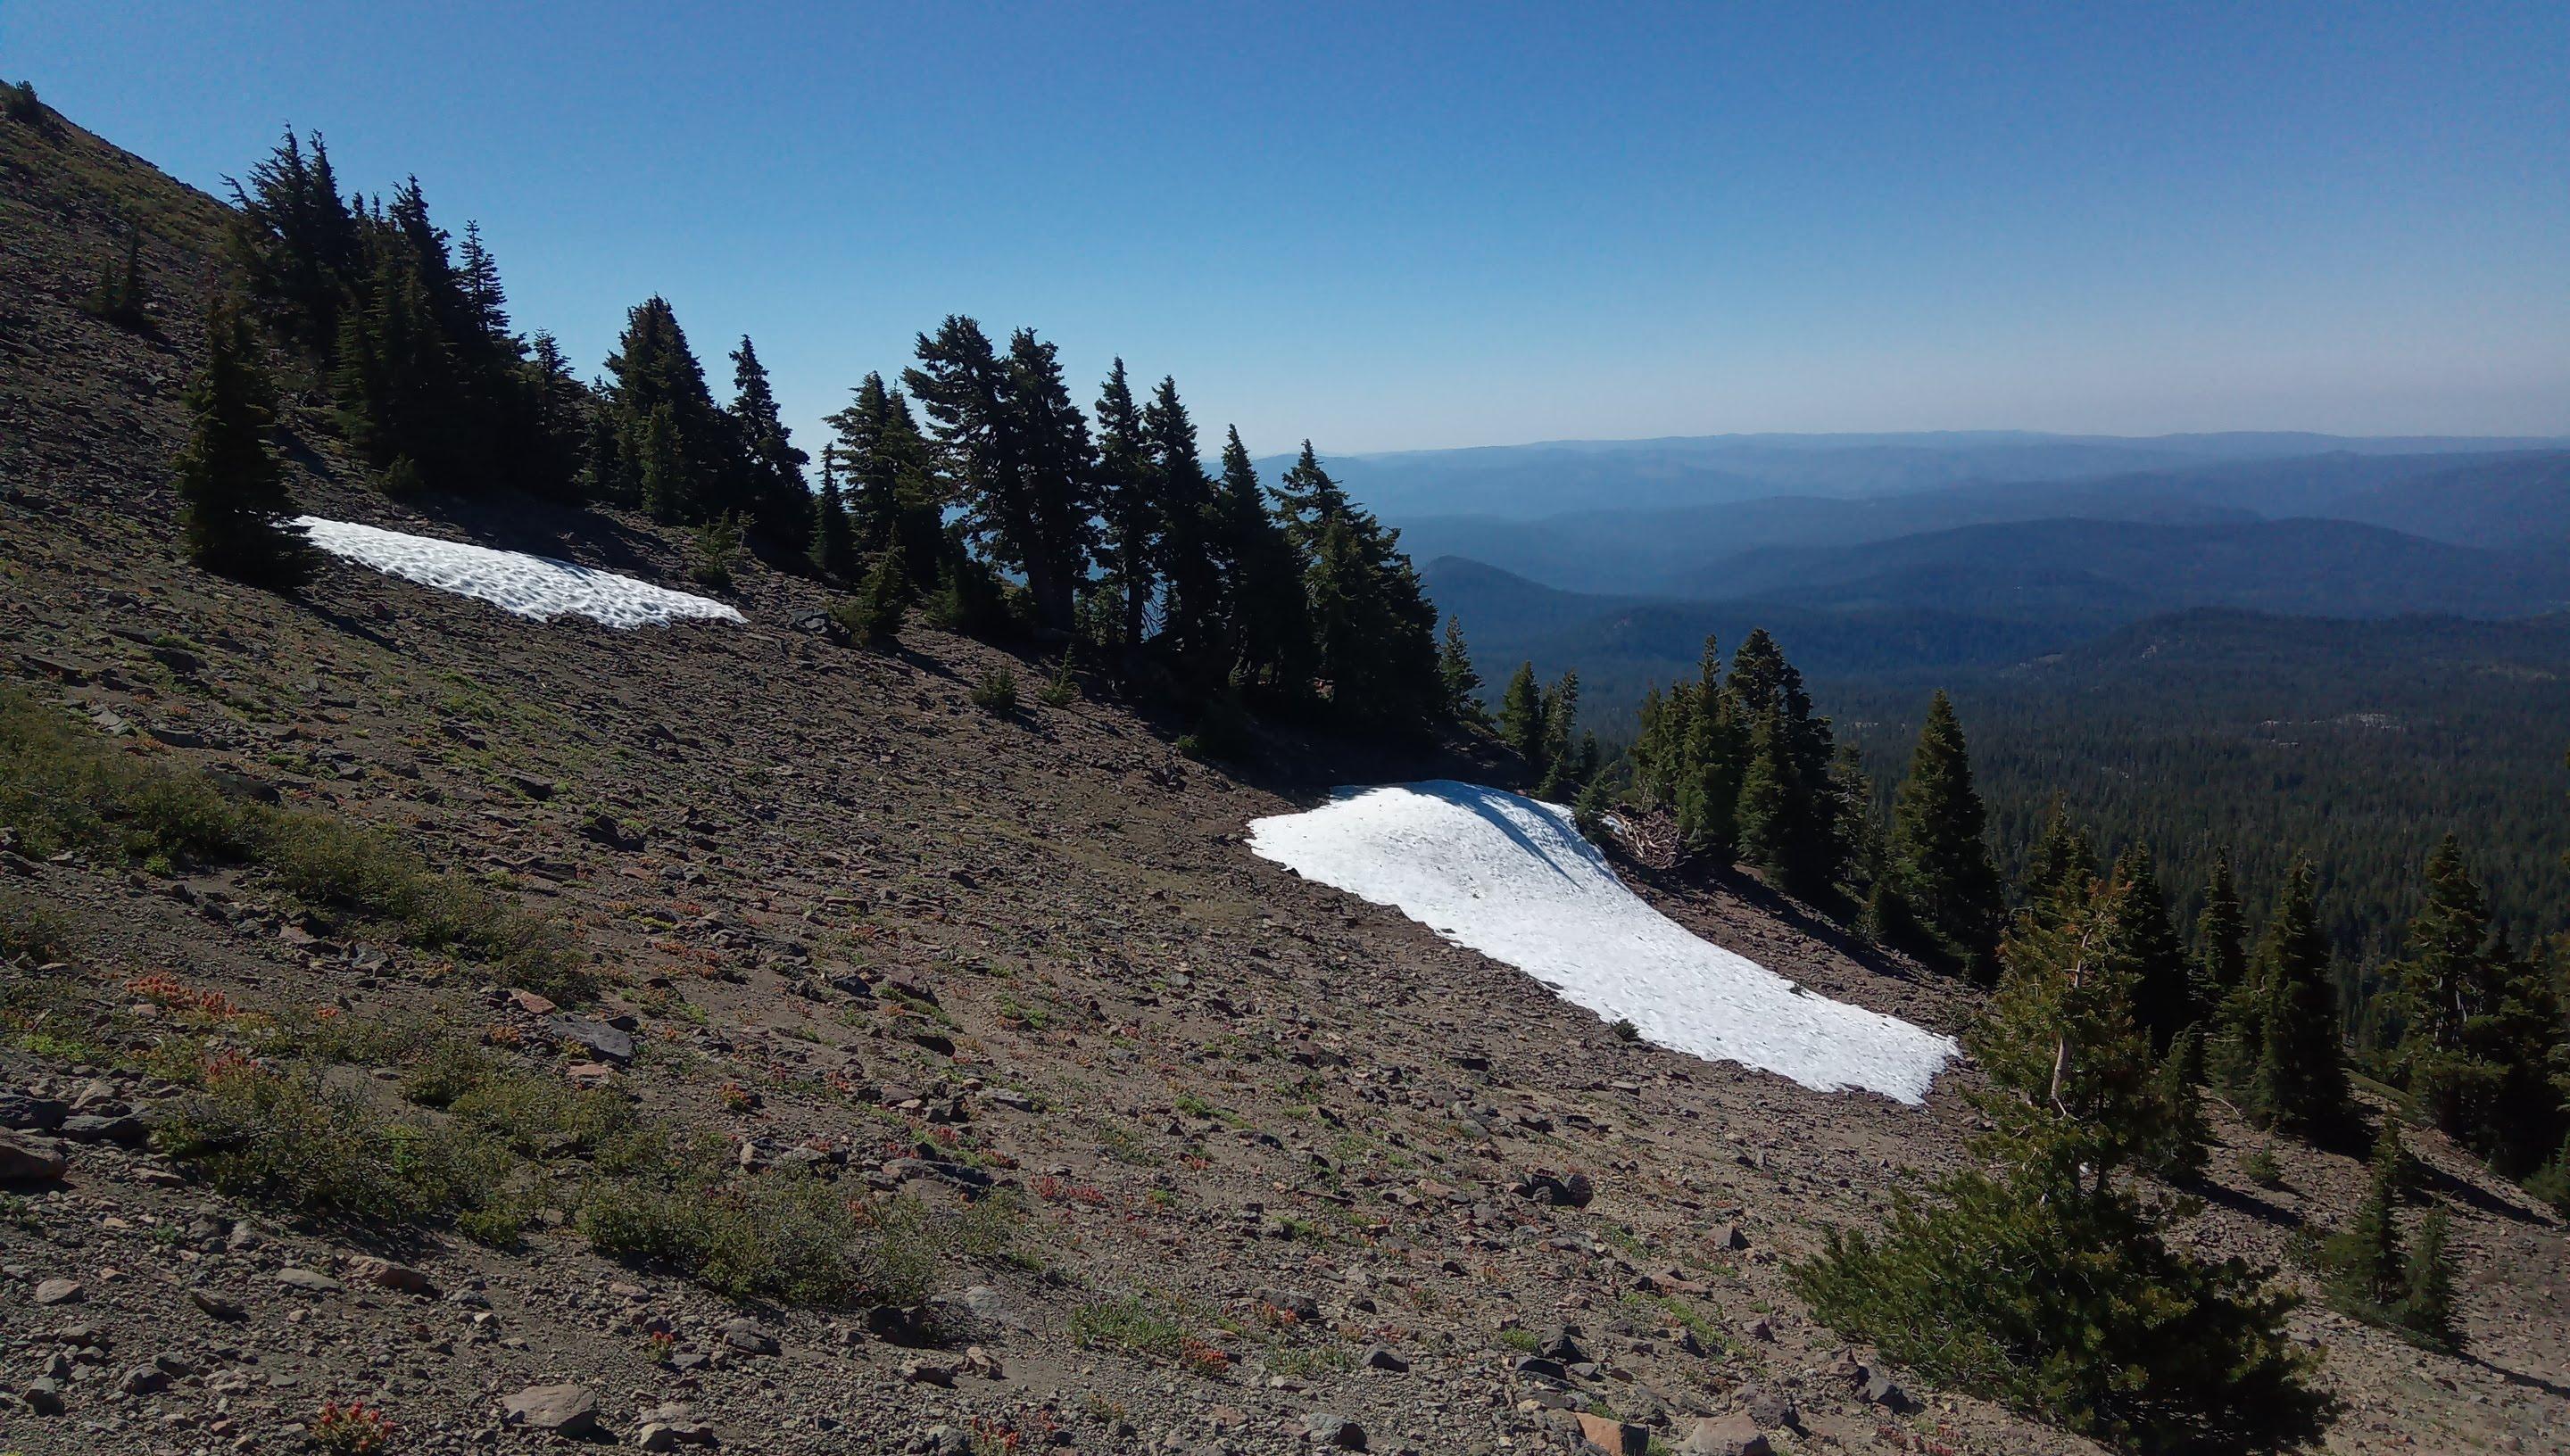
{"x": 1408, "y": 225}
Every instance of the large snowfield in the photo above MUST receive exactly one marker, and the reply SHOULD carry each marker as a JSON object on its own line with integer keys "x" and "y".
{"x": 1515, "y": 880}
{"x": 515, "y": 582}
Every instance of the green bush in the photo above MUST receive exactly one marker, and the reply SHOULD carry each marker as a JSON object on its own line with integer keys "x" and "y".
{"x": 18, "y": 102}
{"x": 335, "y": 1154}
{"x": 2072, "y": 1308}
{"x": 998, "y": 691}
{"x": 785, "y": 1237}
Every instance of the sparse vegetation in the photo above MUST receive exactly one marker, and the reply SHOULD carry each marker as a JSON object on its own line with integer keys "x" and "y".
{"x": 997, "y": 692}
{"x": 63, "y": 789}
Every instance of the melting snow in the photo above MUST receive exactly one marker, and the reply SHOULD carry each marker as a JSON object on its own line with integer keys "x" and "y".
{"x": 1515, "y": 880}
{"x": 529, "y": 586}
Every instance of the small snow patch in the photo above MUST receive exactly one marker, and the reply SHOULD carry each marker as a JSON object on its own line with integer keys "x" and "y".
{"x": 1515, "y": 880}
{"x": 529, "y": 586}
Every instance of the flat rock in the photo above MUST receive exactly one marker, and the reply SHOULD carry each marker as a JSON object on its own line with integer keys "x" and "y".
{"x": 566, "y": 1410}
{"x": 309, "y": 1279}
{"x": 1728, "y": 1435}
{"x": 59, "y": 1291}
{"x": 1323, "y": 1428}
{"x": 31, "y": 1160}
{"x": 607, "y": 1043}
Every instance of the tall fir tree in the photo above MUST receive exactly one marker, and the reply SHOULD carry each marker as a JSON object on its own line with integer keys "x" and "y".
{"x": 834, "y": 542}
{"x": 2163, "y": 992}
{"x": 2286, "y": 1027}
{"x": 2481, "y": 1028}
{"x": 766, "y": 466}
{"x": 670, "y": 438}
{"x": 1561, "y": 767}
{"x": 1521, "y": 720}
{"x": 2220, "y": 937}
{"x": 895, "y": 496}
{"x": 235, "y": 517}
{"x": 1463, "y": 683}
{"x": 1129, "y": 505}
{"x": 1191, "y": 618}
{"x": 1265, "y": 613}
{"x": 1018, "y": 453}
{"x": 1940, "y": 855}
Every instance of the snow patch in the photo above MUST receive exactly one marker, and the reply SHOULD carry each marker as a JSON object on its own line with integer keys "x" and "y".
{"x": 1515, "y": 880}
{"x": 529, "y": 586}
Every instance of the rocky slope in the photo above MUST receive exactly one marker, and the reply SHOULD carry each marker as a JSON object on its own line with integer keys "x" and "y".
{"x": 1278, "y": 1168}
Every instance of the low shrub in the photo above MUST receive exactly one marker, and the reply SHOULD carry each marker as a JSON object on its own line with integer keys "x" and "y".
{"x": 997, "y": 692}
{"x": 785, "y": 1237}
{"x": 335, "y": 1154}
{"x": 31, "y": 930}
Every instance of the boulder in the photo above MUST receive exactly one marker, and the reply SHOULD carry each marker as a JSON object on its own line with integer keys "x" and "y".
{"x": 1615, "y": 1437}
{"x": 59, "y": 1291}
{"x": 1771, "y": 1409}
{"x": 746, "y": 1337}
{"x": 25, "y": 1114}
{"x": 31, "y": 1160}
{"x": 1323, "y": 1428}
{"x": 565, "y": 1410}
{"x": 383, "y": 1273}
{"x": 1880, "y": 1389}
{"x": 1379, "y": 1357}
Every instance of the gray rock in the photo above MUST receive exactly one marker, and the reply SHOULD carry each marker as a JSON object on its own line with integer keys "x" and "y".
{"x": 31, "y": 1160}
{"x": 566, "y": 1410}
{"x": 144, "y": 1380}
{"x": 1378, "y": 1357}
{"x": 1771, "y": 1409}
{"x": 217, "y": 1305}
{"x": 309, "y": 1281}
{"x": 1880, "y": 1389}
{"x": 746, "y": 1337}
{"x": 602, "y": 1040}
{"x": 1728, "y": 1435}
{"x": 31, "y": 1114}
{"x": 123, "y": 1129}
{"x": 43, "y": 1395}
{"x": 59, "y": 1291}
{"x": 1322, "y": 1428}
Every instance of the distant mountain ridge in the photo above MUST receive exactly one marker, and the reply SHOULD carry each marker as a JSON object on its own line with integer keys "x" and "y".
{"x": 1525, "y": 481}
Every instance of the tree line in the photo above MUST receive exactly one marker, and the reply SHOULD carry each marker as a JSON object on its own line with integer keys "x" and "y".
{"x": 972, "y": 483}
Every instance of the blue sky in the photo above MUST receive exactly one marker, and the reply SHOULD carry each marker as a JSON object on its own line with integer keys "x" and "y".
{"x": 1411, "y": 225}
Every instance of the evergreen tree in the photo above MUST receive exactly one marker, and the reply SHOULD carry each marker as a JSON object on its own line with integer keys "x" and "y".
{"x": 893, "y": 491}
{"x": 2298, "y": 1079}
{"x": 2220, "y": 937}
{"x": 670, "y": 438}
{"x": 884, "y": 595}
{"x": 119, "y": 296}
{"x": 1772, "y": 796}
{"x": 2061, "y": 871}
{"x": 1312, "y": 500}
{"x": 1373, "y": 633}
{"x": 2163, "y": 994}
{"x": 2045, "y": 1283}
{"x": 2367, "y": 1272}
{"x": 1560, "y": 719}
{"x": 1521, "y": 720}
{"x": 294, "y": 245}
{"x": 766, "y": 468}
{"x": 1463, "y": 684}
{"x": 1940, "y": 861}
{"x": 1264, "y": 610}
{"x": 2428, "y": 1298}
{"x": 2183, "y": 1147}
{"x": 2480, "y": 1026}
{"x": 1191, "y": 616}
{"x": 1019, "y": 453}
{"x": 1130, "y": 504}
{"x": 235, "y": 517}
{"x": 834, "y": 548}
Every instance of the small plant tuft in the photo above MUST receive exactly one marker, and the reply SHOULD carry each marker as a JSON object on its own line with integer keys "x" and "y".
{"x": 997, "y": 692}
